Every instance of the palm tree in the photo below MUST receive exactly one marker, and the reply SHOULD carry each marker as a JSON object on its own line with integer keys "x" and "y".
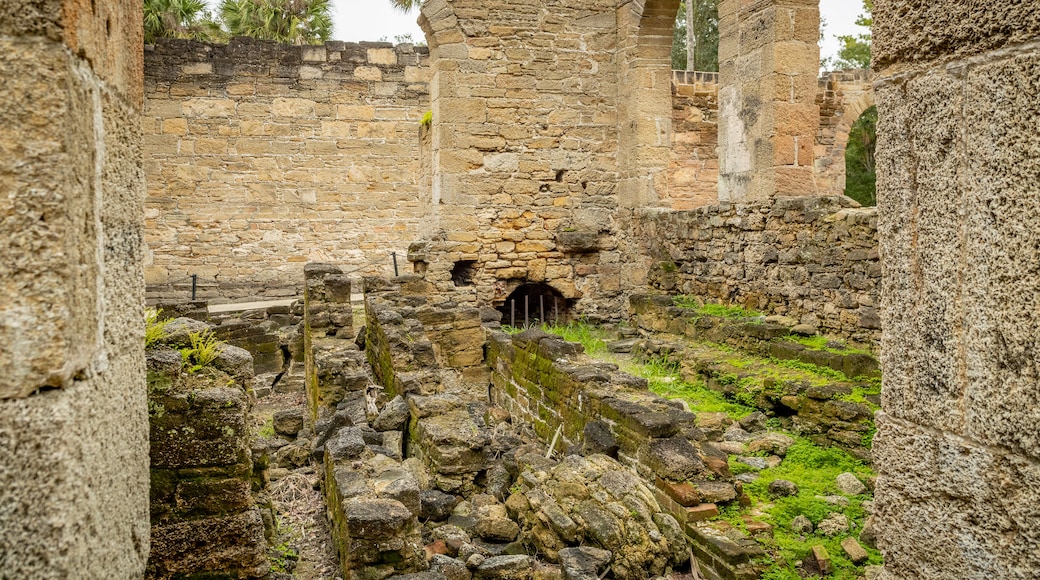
{"x": 178, "y": 19}
{"x": 406, "y": 5}
{"x": 286, "y": 21}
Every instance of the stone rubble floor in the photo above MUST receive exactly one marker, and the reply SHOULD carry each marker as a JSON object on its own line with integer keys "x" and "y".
{"x": 302, "y": 547}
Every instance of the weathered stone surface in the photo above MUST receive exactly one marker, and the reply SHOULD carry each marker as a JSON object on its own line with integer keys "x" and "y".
{"x": 849, "y": 484}
{"x": 821, "y": 560}
{"x": 833, "y": 525}
{"x": 437, "y": 505}
{"x": 393, "y": 416}
{"x": 782, "y": 488}
{"x": 675, "y": 459}
{"x": 775, "y": 443}
{"x": 583, "y": 563}
{"x": 598, "y": 438}
{"x": 801, "y": 525}
{"x": 235, "y": 547}
{"x": 854, "y": 551}
{"x": 517, "y": 567}
{"x": 610, "y": 508}
{"x": 288, "y": 422}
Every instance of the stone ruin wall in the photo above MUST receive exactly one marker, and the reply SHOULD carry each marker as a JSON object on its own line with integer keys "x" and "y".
{"x": 693, "y": 171}
{"x": 524, "y": 147}
{"x": 958, "y": 446}
{"x": 260, "y": 158}
{"x": 235, "y": 135}
{"x": 73, "y": 419}
{"x": 813, "y": 259}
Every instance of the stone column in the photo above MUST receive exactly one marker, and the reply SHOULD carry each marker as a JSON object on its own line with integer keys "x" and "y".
{"x": 768, "y": 117}
{"x": 73, "y": 411}
{"x": 958, "y": 444}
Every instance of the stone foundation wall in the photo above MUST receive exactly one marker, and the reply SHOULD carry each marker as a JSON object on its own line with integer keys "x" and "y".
{"x": 958, "y": 444}
{"x": 73, "y": 421}
{"x": 261, "y": 157}
{"x": 205, "y": 521}
{"x": 813, "y": 259}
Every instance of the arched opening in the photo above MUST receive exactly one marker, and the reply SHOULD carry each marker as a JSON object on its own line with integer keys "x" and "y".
{"x": 860, "y": 165}
{"x": 532, "y": 304}
{"x": 693, "y": 172}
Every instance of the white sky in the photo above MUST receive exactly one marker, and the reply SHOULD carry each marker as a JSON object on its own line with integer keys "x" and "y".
{"x": 356, "y": 20}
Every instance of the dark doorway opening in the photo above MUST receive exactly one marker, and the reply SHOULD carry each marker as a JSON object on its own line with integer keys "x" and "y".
{"x": 533, "y": 304}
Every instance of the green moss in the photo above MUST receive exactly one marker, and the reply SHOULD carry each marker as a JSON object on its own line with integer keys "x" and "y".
{"x": 427, "y": 119}
{"x": 700, "y": 308}
{"x": 814, "y": 470}
{"x": 817, "y": 342}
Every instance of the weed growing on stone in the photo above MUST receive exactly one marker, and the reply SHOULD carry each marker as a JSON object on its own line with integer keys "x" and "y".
{"x": 267, "y": 430}
{"x": 154, "y": 329}
{"x": 204, "y": 349}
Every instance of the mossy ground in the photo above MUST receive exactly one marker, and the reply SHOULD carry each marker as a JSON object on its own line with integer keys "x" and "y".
{"x": 700, "y": 308}
{"x": 811, "y": 467}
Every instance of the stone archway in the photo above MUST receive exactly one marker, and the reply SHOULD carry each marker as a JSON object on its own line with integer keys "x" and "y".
{"x": 844, "y": 96}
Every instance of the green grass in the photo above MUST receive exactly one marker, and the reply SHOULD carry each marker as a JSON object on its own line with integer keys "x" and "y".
{"x": 709, "y": 309}
{"x": 267, "y": 430}
{"x": 592, "y": 337}
{"x": 817, "y": 342}
{"x": 813, "y": 469}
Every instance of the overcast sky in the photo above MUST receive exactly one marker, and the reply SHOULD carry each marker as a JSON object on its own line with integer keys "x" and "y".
{"x": 356, "y": 20}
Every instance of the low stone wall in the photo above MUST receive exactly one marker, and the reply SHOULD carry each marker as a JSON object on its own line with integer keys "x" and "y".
{"x": 205, "y": 521}
{"x": 547, "y": 383}
{"x": 412, "y": 333}
{"x": 813, "y": 259}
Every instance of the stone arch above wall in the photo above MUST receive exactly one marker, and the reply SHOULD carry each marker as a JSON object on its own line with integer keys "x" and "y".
{"x": 644, "y": 101}
{"x": 843, "y": 96}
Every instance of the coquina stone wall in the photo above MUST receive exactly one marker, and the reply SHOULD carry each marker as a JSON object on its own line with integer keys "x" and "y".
{"x": 814, "y": 259}
{"x": 73, "y": 421}
{"x": 958, "y": 443}
{"x": 261, "y": 157}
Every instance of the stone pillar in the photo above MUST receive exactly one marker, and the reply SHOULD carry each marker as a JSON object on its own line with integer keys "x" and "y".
{"x": 958, "y": 444}
{"x": 644, "y": 101}
{"x": 524, "y": 146}
{"x": 73, "y": 411}
{"x": 768, "y": 117}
